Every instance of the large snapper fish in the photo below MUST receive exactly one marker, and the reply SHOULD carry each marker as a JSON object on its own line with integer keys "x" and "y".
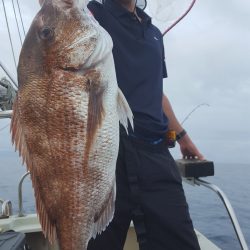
{"x": 66, "y": 121}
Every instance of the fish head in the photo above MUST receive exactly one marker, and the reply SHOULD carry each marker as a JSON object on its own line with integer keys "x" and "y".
{"x": 60, "y": 37}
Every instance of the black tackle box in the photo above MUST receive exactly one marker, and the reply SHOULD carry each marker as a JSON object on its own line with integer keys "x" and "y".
{"x": 12, "y": 241}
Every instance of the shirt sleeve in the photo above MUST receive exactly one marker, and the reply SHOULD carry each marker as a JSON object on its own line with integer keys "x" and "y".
{"x": 96, "y": 9}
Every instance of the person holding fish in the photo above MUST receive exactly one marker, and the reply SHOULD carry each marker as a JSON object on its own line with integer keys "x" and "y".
{"x": 149, "y": 189}
{"x": 75, "y": 142}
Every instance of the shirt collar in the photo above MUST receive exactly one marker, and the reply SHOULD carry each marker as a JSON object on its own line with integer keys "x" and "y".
{"x": 118, "y": 10}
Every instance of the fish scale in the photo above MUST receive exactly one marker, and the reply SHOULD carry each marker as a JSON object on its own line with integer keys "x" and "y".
{"x": 65, "y": 122}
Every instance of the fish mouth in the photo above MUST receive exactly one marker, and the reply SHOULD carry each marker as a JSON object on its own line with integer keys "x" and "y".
{"x": 71, "y": 69}
{"x": 83, "y": 68}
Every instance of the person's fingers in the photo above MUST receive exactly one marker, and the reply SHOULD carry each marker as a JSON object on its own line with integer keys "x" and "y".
{"x": 193, "y": 154}
{"x": 202, "y": 158}
{"x": 193, "y": 157}
{"x": 189, "y": 156}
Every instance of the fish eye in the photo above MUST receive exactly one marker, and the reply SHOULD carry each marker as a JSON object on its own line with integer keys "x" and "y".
{"x": 46, "y": 33}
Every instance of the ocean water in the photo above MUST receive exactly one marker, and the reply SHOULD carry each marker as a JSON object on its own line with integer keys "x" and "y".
{"x": 208, "y": 212}
{"x": 206, "y": 209}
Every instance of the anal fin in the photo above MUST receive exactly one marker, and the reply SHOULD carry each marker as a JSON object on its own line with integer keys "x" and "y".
{"x": 48, "y": 226}
{"x": 106, "y": 214}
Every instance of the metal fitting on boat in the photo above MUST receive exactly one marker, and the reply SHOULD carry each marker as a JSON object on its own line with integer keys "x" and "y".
{"x": 6, "y": 209}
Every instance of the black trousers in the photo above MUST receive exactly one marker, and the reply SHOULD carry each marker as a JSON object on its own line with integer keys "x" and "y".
{"x": 156, "y": 192}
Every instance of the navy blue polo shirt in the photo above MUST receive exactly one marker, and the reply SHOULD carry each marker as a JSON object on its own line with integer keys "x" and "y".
{"x": 139, "y": 62}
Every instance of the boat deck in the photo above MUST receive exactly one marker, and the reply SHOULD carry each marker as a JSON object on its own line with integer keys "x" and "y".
{"x": 30, "y": 225}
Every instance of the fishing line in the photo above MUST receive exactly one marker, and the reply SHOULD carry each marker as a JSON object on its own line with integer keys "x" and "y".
{"x": 11, "y": 43}
{"x": 19, "y": 33}
{"x": 20, "y": 16}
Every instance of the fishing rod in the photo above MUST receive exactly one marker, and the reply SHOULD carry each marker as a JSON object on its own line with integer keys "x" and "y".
{"x": 179, "y": 19}
{"x": 193, "y": 110}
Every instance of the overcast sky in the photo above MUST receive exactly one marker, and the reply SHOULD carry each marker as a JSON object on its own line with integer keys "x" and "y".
{"x": 208, "y": 60}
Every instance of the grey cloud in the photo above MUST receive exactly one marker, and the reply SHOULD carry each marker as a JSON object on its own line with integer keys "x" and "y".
{"x": 208, "y": 58}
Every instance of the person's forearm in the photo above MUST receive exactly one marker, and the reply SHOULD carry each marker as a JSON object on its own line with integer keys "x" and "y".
{"x": 173, "y": 121}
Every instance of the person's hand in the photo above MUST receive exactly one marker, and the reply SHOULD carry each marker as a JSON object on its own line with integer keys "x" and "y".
{"x": 188, "y": 149}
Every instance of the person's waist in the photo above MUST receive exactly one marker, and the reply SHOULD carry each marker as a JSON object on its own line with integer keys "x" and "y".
{"x": 148, "y": 140}
{"x": 144, "y": 137}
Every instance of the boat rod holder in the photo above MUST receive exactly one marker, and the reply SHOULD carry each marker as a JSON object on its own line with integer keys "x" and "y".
{"x": 191, "y": 172}
{"x": 229, "y": 209}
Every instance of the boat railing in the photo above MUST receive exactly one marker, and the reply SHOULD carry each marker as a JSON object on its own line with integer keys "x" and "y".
{"x": 20, "y": 195}
{"x": 192, "y": 171}
{"x": 5, "y": 114}
{"x": 228, "y": 207}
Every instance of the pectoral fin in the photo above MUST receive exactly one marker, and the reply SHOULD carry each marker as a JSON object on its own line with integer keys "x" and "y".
{"x": 124, "y": 111}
